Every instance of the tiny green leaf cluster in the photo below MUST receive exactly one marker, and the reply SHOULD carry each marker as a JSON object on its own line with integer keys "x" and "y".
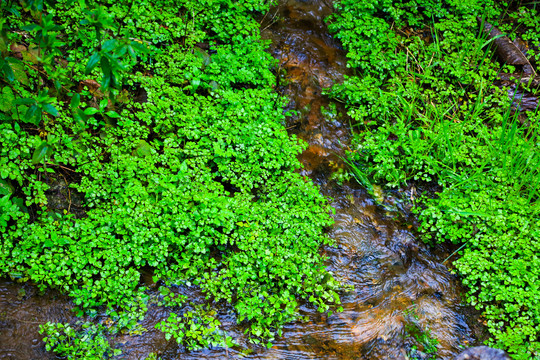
{"x": 86, "y": 341}
{"x": 197, "y": 328}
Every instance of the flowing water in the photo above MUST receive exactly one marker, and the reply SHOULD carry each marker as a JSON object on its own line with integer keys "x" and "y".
{"x": 400, "y": 287}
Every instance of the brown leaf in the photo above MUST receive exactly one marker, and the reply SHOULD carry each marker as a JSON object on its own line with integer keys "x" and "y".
{"x": 32, "y": 55}
{"x": 92, "y": 86}
{"x": 17, "y": 50}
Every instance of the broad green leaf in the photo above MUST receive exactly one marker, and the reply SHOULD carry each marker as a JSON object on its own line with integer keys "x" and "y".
{"x": 105, "y": 65}
{"x": 120, "y": 65}
{"x": 8, "y": 72}
{"x": 75, "y": 101}
{"x": 112, "y": 114}
{"x": 15, "y": 11}
{"x": 143, "y": 149}
{"x": 90, "y": 111}
{"x": 24, "y": 101}
{"x": 113, "y": 80}
{"x": 195, "y": 84}
{"x": 48, "y": 108}
{"x": 33, "y": 115}
{"x": 120, "y": 51}
{"x": 109, "y": 45}
{"x": 107, "y": 73}
{"x": 106, "y": 81}
{"x": 103, "y": 104}
{"x": 92, "y": 62}
{"x": 131, "y": 52}
{"x": 41, "y": 152}
{"x": 31, "y": 27}
{"x": 80, "y": 116}
{"x": 139, "y": 47}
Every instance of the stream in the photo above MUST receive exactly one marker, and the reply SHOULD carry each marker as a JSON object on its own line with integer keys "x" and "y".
{"x": 399, "y": 283}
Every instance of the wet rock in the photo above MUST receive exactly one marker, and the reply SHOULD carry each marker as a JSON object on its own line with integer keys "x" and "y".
{"x": 61, "y": 197}
{"x": 483, "y": 353}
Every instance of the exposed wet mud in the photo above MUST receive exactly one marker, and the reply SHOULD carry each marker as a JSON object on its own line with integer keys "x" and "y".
{"x": 22, "y": 310}
{"x": 400, "y": 287}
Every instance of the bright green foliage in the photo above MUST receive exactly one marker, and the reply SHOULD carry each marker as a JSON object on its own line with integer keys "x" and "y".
{"x": 197, "y": 328}
{"x": 422, "y": 335}
{"x": 530, "y": 19}
{"x": 169, "y": 298}
{"x": 163, "y": 115}
{"x": 89, "y": 342}
{"x": 427, "y": 112}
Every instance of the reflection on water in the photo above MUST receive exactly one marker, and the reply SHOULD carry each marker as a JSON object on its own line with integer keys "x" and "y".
{"x": 399, "y": 283}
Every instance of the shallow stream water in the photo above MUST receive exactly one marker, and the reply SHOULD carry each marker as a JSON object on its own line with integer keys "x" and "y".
{"x": 399, "y": 283}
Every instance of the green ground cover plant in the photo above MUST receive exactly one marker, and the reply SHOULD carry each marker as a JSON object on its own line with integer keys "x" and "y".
{"x": 422, "y": 336}
{"x": 162, "y": 119}
{"x": 428, "y": 108}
